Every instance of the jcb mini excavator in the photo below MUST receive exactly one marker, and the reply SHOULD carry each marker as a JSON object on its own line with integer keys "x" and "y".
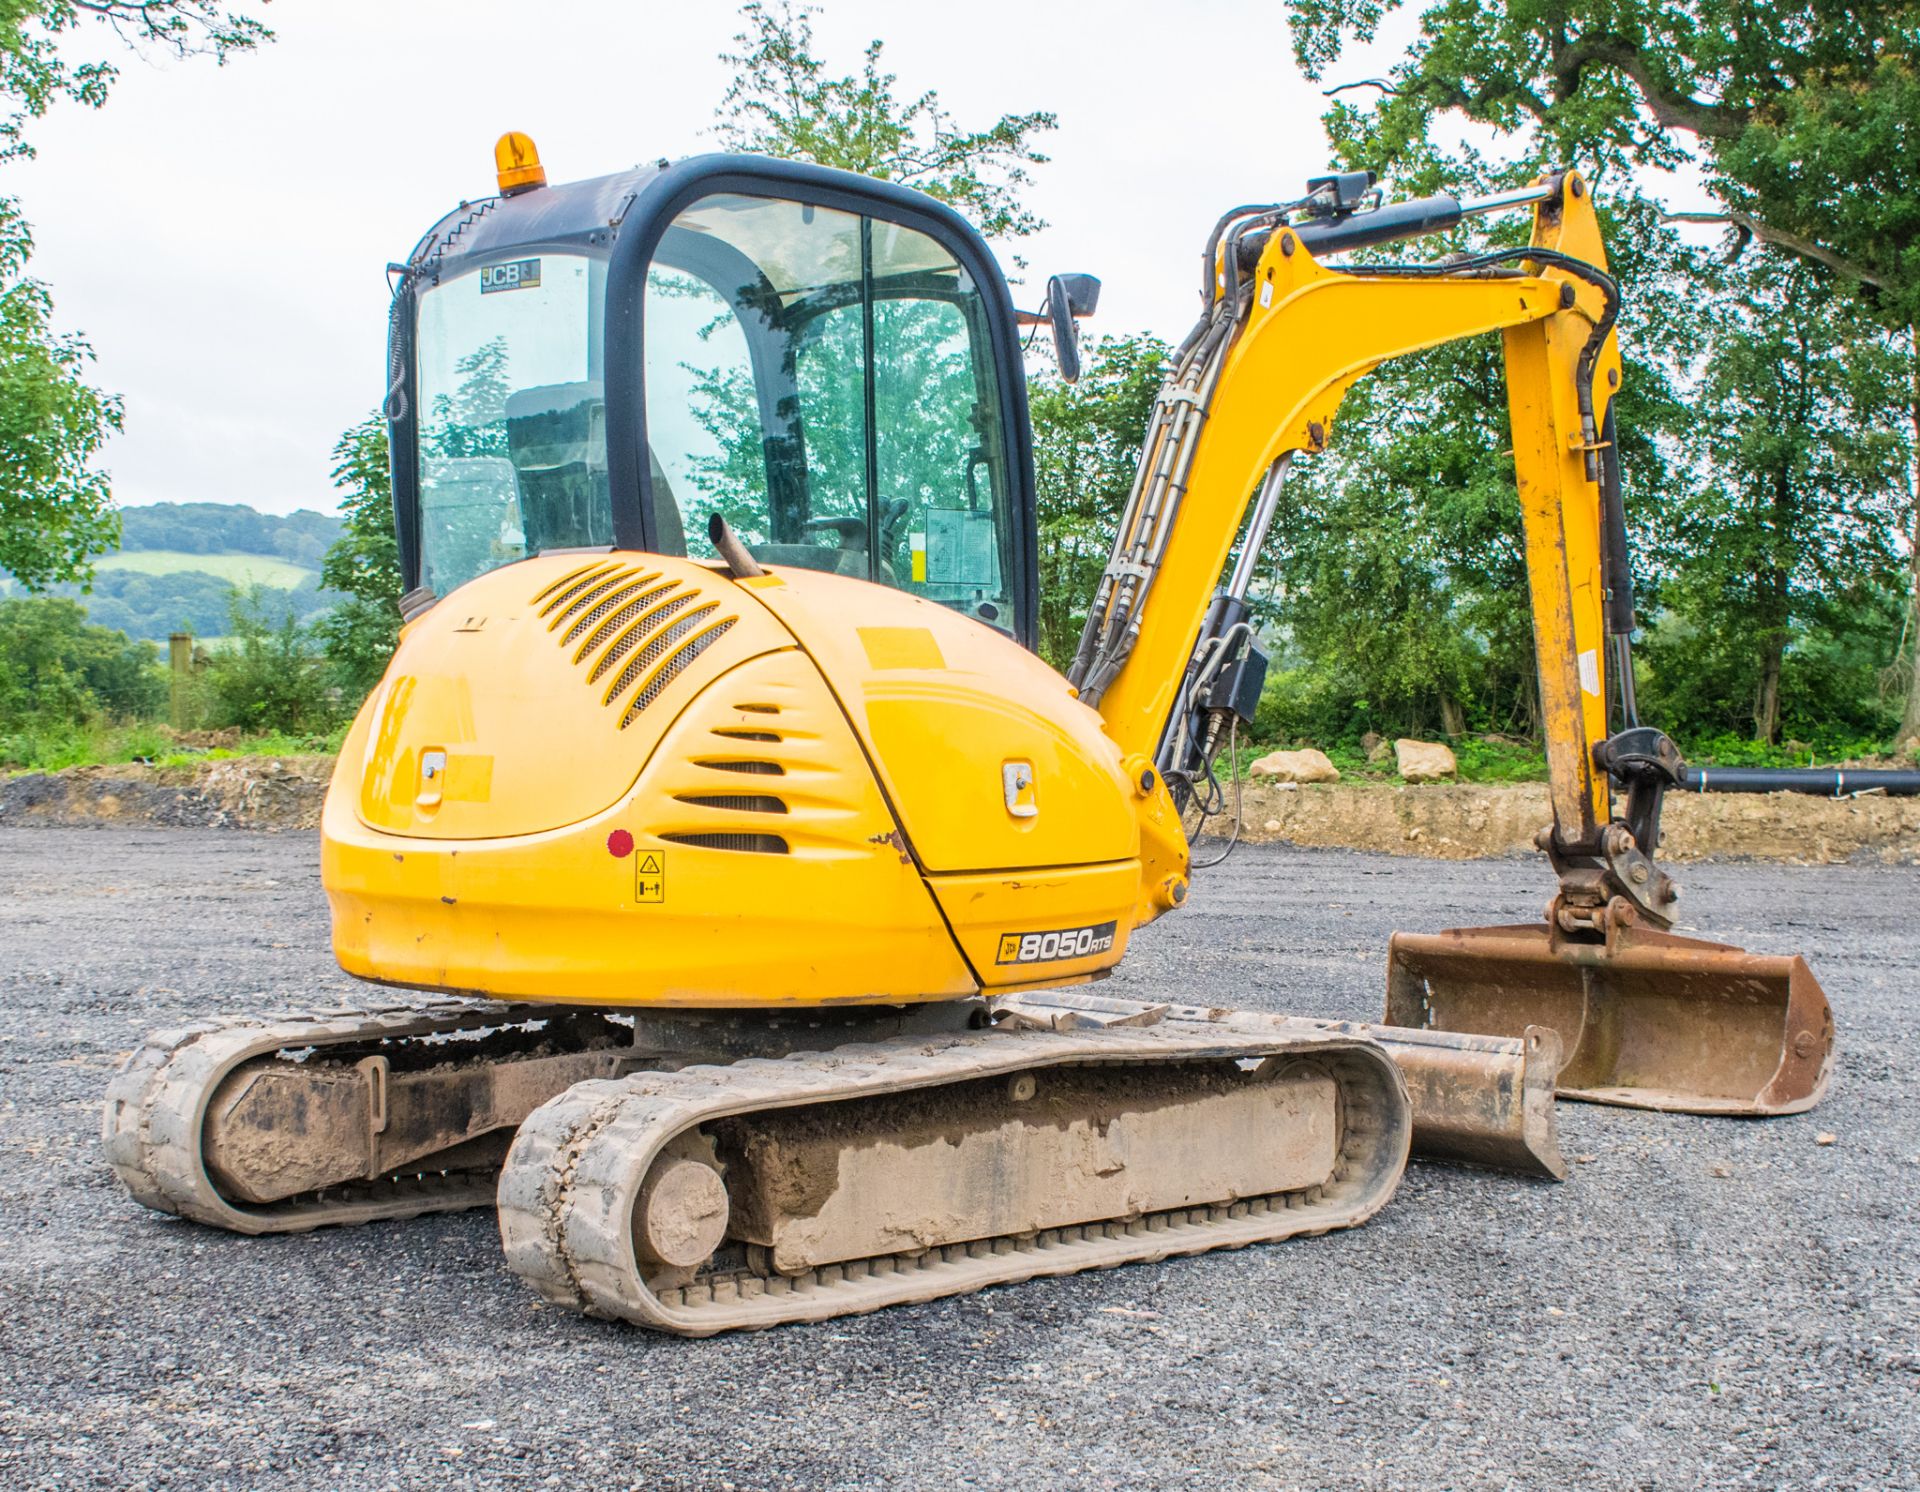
{"x": 751, "y": 855}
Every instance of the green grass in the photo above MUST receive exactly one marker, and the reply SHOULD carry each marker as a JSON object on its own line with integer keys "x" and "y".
{"x": 235, "y": 569}
{"x": 1735, "y": 751}
{"x": 1480, "y": 760}
{"x": 51, "y": 750}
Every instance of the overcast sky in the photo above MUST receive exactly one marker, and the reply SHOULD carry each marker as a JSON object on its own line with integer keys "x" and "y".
{"x": 220, "y": 234}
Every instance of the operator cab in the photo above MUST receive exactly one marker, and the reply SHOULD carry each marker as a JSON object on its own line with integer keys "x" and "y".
{"x": 828, "y": 362}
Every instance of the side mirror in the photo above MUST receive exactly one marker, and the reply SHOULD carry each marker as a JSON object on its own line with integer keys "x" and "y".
{"x": 1069, "y": 297}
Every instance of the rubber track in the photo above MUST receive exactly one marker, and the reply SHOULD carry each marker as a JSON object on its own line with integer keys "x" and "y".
{"x": 571, "y": 1180}
{"x": 156, "y": 1110}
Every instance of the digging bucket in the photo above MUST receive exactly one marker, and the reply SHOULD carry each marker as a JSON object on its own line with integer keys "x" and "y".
{"x": 1648, "y": 1021}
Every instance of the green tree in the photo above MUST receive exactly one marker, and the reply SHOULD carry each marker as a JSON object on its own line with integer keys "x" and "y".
{"x": 269, "y": 674}
{"x": 1804, "y": 117}
{"x": 58, "y": 668}
{"x": 363, "y": 565}
{"x": 785, "y": 102}
{"x": 56, "y": 509}
{"x": 1793, "y": 536}
{"x": 1087, "y": 439}
{"x": 1802, "y": 121}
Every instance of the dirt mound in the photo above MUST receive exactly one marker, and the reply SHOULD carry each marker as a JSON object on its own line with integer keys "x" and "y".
{"x": 1466, "y": 822}
{"x": 242, "y": 792}
{"x": 1451, "y": 821}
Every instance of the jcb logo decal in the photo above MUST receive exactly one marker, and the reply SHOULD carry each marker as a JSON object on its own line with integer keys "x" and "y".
{"x": 521, "y": 274}
{"x": 1048, "y": 947}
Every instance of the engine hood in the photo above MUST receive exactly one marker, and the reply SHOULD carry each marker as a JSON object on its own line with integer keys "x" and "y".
{"x": 530, "y": 698}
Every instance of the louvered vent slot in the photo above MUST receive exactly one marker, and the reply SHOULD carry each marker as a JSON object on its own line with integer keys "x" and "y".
{"x": 759, "y": 709}
{"x": 676, "y": 661}
{"x": 763, "y": 769}
{"x": 637, "y": 635}
{"x": 619, "y": 595}
{"x": 754, "y": 844}
{"x": 590, "y": 594}
{"x": 612, "y": 625}
{"x": 568, "y": 579}
{"x": 737, "y": 802}
{"x": 658, "y": 646}
{"x": 734, "y": 734}
{"x": 573, "y": 587}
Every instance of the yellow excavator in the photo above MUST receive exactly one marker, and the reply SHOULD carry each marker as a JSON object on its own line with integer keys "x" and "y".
{"x": 752, "y": 858}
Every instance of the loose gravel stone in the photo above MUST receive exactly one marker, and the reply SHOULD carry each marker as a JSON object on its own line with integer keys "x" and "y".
{"x": 1647, "y": 1324}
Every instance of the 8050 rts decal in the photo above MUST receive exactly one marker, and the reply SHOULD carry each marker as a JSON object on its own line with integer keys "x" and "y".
{"x": 1046, "y": 947}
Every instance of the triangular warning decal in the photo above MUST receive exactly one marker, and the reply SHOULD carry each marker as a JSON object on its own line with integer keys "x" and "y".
{"x": 650, "y": 865}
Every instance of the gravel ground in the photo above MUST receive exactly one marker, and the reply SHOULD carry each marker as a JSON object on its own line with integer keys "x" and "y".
{"x": 1704, "y": 1304}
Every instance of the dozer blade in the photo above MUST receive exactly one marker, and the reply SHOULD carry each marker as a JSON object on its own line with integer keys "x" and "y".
{"x": 1479, "y": 1100}
{"x": 1648, "y": 1021}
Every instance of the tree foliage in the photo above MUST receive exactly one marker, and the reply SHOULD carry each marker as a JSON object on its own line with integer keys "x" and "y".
{"x": 269, "y": 674}
{"x": 363, "y": 565}
{"x": 1087, "y": 438}
{"x": 56, "y": 509}
{"x": 1805, "y": 116}
{"x": 785, "y": 101}
{"x": 56, "y": 666}
{"x": 1800, "y": 122}
{"x": 1791, "y": 538}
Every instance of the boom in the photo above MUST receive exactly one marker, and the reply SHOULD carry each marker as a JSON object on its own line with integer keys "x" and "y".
{"x": 1285, "y": 337}
{"x": 1646, "y": 1019}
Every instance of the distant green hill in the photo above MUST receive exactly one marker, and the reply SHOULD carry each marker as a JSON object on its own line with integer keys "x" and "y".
{"x": 179, "y": 563}
{"x": 302, "y": 537}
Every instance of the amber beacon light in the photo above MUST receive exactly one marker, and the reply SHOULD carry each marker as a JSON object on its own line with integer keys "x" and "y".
{"x": 517, "y": 159}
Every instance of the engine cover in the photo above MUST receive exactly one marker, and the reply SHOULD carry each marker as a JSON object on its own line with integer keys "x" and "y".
{"x": 631, "y": 779}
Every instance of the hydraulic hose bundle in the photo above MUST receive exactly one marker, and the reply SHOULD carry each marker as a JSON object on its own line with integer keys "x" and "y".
{"x": 1166, "y": 455}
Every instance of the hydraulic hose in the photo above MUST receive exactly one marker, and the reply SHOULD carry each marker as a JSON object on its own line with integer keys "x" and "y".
{"x": 1609, "y": 290}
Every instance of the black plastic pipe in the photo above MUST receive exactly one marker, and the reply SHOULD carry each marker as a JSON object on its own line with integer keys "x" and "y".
{"x": 1824, "y": 782}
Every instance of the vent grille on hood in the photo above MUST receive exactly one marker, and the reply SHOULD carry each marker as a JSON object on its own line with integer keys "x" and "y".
{"x": 623, "y": 614}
